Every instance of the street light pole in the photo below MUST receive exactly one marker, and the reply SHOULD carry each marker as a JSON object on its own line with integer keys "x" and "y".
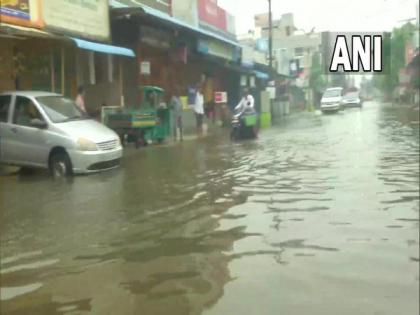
{"x": 270, "y": 35}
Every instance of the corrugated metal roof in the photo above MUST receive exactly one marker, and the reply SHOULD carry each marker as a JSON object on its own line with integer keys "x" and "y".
{"x": 25, "y": 31}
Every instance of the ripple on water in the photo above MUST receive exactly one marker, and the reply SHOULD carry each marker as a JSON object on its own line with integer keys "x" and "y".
{"x": 8, "y": 293}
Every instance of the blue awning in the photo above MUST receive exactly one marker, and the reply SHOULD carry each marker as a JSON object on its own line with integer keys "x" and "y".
{"x": 166, "y": 17}
{"x": 261, "y": 75}
{"x": 103, "y": 48}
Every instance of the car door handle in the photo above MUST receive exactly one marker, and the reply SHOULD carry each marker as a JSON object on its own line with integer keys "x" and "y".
{"x": 14, "y": 130}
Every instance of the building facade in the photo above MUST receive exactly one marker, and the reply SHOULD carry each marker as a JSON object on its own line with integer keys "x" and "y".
{"x": 176, "y": 52}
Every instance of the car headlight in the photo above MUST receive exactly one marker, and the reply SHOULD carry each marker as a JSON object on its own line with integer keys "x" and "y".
{"x": 119, "y": 144}
{"x": 86, "y": 145}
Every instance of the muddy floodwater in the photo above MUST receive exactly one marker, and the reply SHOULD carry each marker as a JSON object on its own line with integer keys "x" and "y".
{"x": 320, "y": 215}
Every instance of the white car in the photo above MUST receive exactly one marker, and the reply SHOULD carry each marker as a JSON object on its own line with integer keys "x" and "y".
{"x": 352, "y": 99}
{"x": 46, "y": 130}
{"x": 332, "y": 100}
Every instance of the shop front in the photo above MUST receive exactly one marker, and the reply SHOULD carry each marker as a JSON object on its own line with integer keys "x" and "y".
{"x": 30, "y": 59}
{"x": 176, "y": 56}
{"x": 49, "y": 54}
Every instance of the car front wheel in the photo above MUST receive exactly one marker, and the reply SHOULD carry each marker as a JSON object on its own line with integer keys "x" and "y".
{"x": 60, "y": 165}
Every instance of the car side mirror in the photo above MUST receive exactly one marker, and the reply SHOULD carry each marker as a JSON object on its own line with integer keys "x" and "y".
{"x": 38, "y": 123}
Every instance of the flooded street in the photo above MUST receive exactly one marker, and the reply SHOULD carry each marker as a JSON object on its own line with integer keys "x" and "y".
{"x": 318, "y": 216}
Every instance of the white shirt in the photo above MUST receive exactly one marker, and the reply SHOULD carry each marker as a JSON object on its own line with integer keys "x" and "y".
{"x": 199, "y": 103}
{"x": 246, "y": 103}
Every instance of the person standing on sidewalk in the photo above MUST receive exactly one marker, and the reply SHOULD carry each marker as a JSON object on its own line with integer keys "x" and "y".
{"x": 199, "y": 110}
{"x": 80, "y": 98}
{"x": 177, "y": 109}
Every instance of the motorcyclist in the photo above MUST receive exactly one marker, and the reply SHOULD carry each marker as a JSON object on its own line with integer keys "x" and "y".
{"x": 241, "y": 126}
{"x": 246, "y": 105}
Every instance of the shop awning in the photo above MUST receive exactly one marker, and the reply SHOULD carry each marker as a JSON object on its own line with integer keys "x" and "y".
{"x": 103, "y": 48}
{"x": 171, "y": 20}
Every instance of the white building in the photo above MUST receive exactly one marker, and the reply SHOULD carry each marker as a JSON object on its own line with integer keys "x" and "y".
{"x": 292, "y": 48}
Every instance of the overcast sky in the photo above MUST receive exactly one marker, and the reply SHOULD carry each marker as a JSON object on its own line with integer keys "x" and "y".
{"x": 326, "y": 15}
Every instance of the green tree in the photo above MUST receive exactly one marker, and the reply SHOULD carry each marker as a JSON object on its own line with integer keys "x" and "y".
{"x": 394, "y": 58}
{"x": 317, "y": 80}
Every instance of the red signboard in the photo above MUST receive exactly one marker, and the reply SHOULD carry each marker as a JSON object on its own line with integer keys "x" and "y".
{"x": 220, "y": 97}
{"x": 210, "y": 13}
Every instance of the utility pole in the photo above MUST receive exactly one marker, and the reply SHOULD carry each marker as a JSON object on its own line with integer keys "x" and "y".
{"x": 270, "y": 35}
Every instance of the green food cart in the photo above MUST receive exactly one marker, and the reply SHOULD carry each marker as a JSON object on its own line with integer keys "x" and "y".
{"x": 149, "y": 122}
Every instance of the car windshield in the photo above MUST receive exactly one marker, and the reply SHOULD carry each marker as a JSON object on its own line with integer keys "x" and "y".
{"x": 60, "y": 109}
{"x": 332, "y": 93}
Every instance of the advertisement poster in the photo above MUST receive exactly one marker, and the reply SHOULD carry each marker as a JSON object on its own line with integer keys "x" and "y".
{"x": 20, "y": 12}
{"x": 145, "y": 68}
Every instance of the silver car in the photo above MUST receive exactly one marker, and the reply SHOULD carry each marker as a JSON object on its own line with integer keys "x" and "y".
{"x": 332, "y": 100}
{"x": 46, "y": 130}
{"x": 352, "y": 99}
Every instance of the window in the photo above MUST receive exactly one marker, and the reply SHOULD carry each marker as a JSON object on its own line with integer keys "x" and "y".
{"x": 25, "y": 111}
{"x": 4, "y": 107}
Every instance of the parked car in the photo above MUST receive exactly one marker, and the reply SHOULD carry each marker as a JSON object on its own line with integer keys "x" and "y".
{"x": 332, "y": 100}
{"x": 47, "y": 130}
{"x": 352, "y": 99}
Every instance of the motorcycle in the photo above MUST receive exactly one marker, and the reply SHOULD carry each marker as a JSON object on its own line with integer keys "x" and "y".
{"x": 244, "y": 125}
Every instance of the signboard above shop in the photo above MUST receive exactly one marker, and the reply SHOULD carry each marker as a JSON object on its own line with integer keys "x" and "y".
{"x": 84, "y": 18}
{"x": 155, "y": 37}
{"x": 218, "y": 49}
{"x": 209, "y": 12}
{"x": 20, "y": 12}
{"x": 161, "y": 5}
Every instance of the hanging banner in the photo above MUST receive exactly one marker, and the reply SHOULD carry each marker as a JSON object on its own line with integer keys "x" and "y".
{"x": 247, "y": 56}
{"x": 20, "y": 12}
